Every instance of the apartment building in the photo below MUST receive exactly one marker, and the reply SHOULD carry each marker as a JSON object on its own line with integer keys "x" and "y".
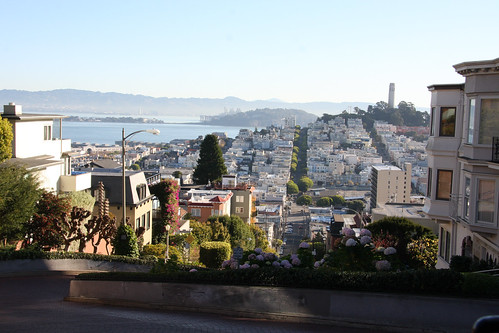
{"x": 390, "y": 184}
{"x": 463, "y": 162}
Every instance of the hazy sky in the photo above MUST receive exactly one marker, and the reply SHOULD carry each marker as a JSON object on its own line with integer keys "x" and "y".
{"x": 295, "y": 51}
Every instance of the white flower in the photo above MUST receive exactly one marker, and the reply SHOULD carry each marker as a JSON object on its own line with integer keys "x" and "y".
{"x": 389, "y": 251}
{"x": 351, "y": 242}
{"x": 365, "y": 232}
{"x": 383, "y": 265}
{"x": 304, "y": 245}
{"x": 365, "y": 240}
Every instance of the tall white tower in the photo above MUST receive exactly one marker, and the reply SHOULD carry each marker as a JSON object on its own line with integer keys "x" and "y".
{"x": 391, "y": 95}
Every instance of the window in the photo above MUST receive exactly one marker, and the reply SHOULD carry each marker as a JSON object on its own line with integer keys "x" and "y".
{"x": 215, "y": 212}
{"x": 47, "y": 132}
{"x": 196, "y": 212}
{"x": 239, "y": 210}
{"x": 239, "y": 198}
{"x": 444, "y": 184}
{"x": 485, "y": 200}
{"x": 444, "y": 244}
{"x": 428, "y": 189}
{"x": 471, "y": 121}
{"x": 447, "y": 121}
{"x": 432, "y": 123}
{"x": 148, "y": 221}
{"x": 143, "y": 221}
{"x": 137, "y": 223}
{"x": 489, "y": 120}
{"x": 467, "y": 192}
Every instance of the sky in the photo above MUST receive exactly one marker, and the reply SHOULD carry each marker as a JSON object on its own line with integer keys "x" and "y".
{"x": 293, "y": 51}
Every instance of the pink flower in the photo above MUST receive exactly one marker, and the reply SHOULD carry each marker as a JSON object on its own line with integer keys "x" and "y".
{"x": 193, "y": 270}
{"x": 351, "y": 242}
{"x": 276, "y": 264}
{"x": 317, "y": 264}
{"x": 258, "y": 250}
{"x": 348, "y": 232}
{"x": 244, "y": 266}
{"x": 259, "y": 257}
{"x": 234, "y": 265}
{"x": 252, "y": 256}
{"x": 389, "y": 251}
{"x": 296, "y": 262}
{"x": 304, "y": 245}
{"x": 383, "y": 265}
{"x": 365, "y": 240}
{"x": 255, "y": 266}
{"x": 365, "y": 232}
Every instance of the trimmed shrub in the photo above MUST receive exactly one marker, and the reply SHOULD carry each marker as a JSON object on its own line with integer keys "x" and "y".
{"x": 125, "y": 242}
{"x": 213, "y": 254}
{"x": 157, "y": 250}
{"x": 481, "y": 285}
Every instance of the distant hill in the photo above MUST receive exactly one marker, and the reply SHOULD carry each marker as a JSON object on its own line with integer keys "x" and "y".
{"x": 71, "y": 101}
{"x": 260, "y": 118}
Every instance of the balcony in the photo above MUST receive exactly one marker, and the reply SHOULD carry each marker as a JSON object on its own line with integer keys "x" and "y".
{"x": 77, "y": 181}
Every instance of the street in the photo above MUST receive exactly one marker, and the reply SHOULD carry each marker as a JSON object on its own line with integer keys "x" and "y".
{"x": 34, "y": 304}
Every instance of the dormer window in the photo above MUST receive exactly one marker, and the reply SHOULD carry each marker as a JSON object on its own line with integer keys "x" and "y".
{"x": 47, "y": 132}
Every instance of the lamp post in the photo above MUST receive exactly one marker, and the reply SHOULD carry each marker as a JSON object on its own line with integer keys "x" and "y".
{"x": 356, "y": 213}
{"x": 167, "y": 252}
{"x": 123, "y": 179}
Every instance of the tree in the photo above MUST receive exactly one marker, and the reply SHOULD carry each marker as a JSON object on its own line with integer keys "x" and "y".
{"x": 239, "y": 231}
{"x": 135, "y": 167}
{"x": 324, "y": 202}
{"x": 261, "y": 240}
{"x": 304, "y": 200}
{"x": 19, "y": 192}
{"x": 43, "y": 228}
{"x": 6, "y": 137}
{"x": 305, "y": 183}
{"x": 338, "y": 201}
{"x": 211, "y": 164}
{"x": 70, "y": 226}
{"x": 292, "y": 188}
{"x": 357, "y": 205}
{"x": 167, "y": 193}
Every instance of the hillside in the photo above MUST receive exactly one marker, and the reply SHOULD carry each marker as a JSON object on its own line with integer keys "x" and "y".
{"x": 260, "y": 118}
{"x": 72, "y": 102}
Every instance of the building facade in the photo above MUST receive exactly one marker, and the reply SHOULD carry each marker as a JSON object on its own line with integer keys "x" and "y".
{"x": 390, "y": 184}
{"x": 463, "y": 162}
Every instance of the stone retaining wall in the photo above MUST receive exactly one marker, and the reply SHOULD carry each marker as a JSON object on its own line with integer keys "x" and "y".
{"x": 372, "y": 310}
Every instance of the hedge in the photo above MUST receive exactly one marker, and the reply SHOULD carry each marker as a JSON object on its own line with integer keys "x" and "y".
{"x": 421, "y": 282}
{"x": 12, "y": 254}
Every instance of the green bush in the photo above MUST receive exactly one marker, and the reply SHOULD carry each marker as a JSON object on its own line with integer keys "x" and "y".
{"x": 213, "y": 254}
{"x": 125, "y": 242}
{"x": 460, "y": 263}
{"x": 157, "y": 250}
{"x": 481, "y": 285}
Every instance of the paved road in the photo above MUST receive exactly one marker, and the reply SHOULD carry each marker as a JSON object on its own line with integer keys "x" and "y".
{"x": 35, "y": 304}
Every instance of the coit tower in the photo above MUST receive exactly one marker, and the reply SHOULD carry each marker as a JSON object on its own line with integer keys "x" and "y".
{"x": 391, "y": 95}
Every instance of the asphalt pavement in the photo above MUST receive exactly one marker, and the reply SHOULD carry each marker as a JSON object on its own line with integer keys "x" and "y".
{"x": 34, "y": 304}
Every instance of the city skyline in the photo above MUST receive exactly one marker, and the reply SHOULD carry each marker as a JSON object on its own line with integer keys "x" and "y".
{"x": 292, "y": 51}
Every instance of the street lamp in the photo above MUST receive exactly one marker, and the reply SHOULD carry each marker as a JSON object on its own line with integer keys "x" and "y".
{"x": 123, "y": 145}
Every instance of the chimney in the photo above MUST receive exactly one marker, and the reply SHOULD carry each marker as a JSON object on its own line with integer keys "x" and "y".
{"x": 12, "y": 109}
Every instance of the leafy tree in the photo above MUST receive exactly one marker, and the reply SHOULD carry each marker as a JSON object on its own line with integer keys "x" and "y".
{"x": 220, "y": 233}
{"x": 201, "y": 232}
{"x": 304, "y": 200}
{"x": 324, "y": 202}
{"x": 261, "y": 240}
{"x": 211, "y": 164}
{"x": 305, "y": 183}
{"x": 338, "y": 201}
{"x": 292, "y": 188}
{"x": 70, "y": 226}
{"x": 135, "y": 167}
{"x": 167, "y": 193}
{"x": 357, "y": 205}
{"x": 239, "y": 231}
{"x": 43, "y": 228}
{"x": 6, "y": 137}
{"x": 125, "y": 242}
{"x": 19, "y": 192}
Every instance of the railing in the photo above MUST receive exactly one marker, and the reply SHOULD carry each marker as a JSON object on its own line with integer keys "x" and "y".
{"x": 495, "y": 149}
